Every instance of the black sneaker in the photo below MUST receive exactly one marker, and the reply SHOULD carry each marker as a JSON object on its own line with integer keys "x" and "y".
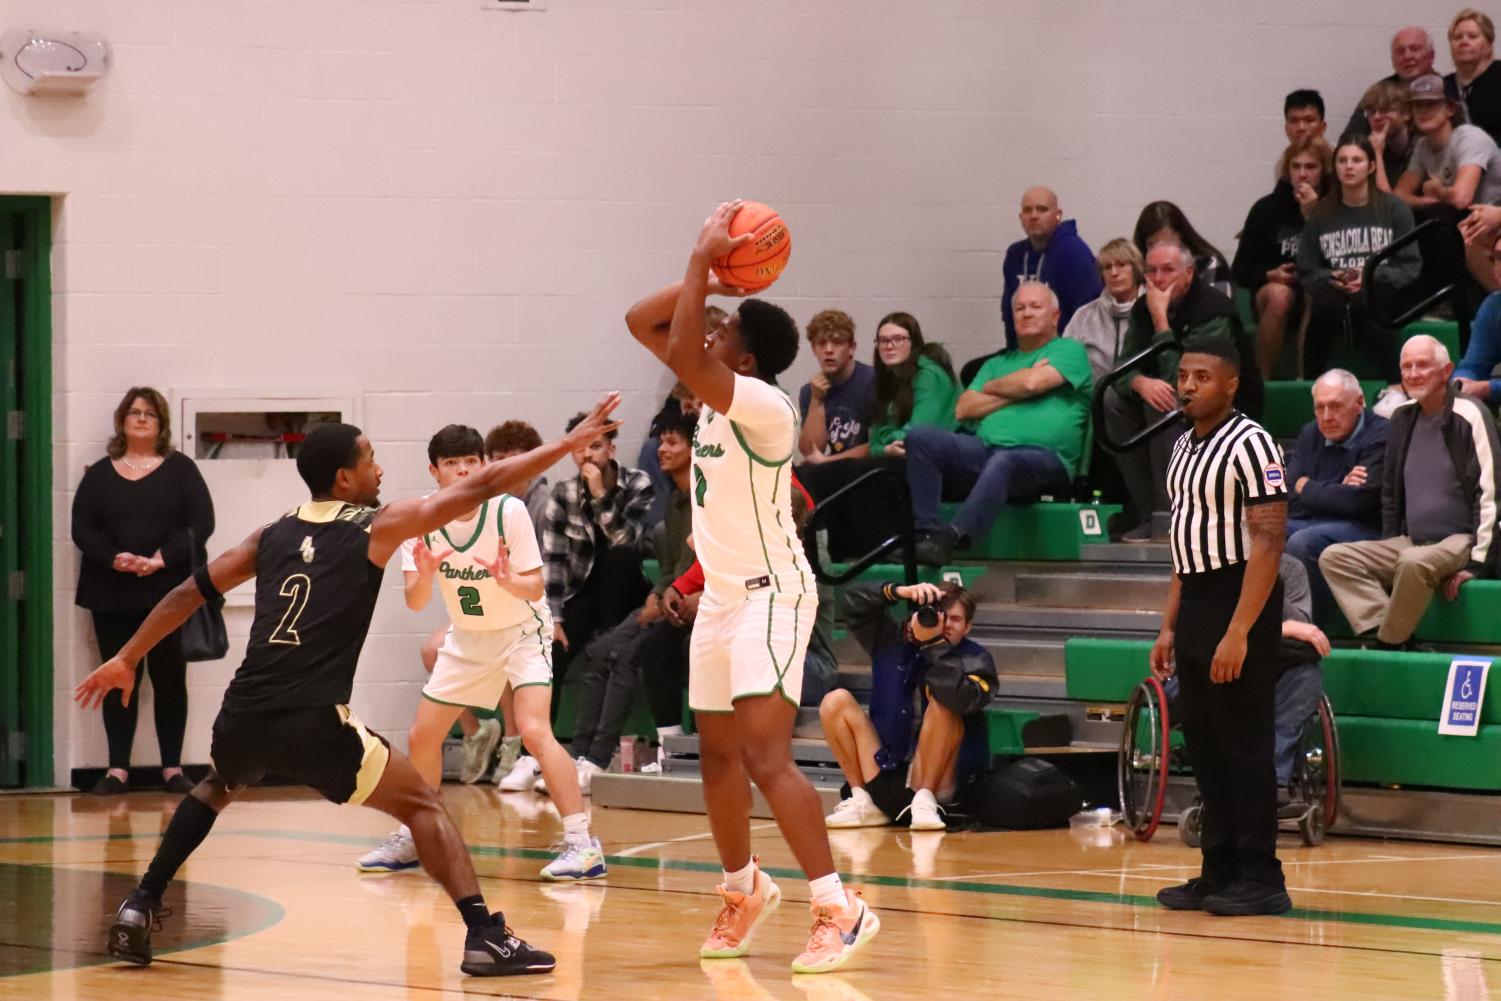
{"x": 130, "y": 935}
{"x": 109, "y": 786}
{"x": 1243, "y": 898}
{"x": 495, "y": 951}
{"x": 934, "y": 549}
{"x": 1188, "y": 896}
{"x": 179, "y": 785}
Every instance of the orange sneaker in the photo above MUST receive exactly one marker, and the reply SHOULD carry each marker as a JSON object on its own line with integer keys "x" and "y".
{"x": 837, "y": 934}
{"x": 739, "y": 918}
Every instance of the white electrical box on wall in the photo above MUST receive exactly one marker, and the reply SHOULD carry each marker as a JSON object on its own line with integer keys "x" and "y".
{"x": 56, "y": 63}
{"x": 245, "y": 445}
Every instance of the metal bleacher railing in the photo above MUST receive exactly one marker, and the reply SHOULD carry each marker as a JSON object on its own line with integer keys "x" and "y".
{"x": 1457, "y": 291}
{"x": 904, "y": 539}
{"x": 1122, "y": 372}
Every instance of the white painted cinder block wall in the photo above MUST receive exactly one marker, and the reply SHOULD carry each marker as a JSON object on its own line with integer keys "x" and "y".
{"x": 451, "y": 208}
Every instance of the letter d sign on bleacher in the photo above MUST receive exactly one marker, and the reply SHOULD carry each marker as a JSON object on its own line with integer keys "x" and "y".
{"x": 1464, "y": 694}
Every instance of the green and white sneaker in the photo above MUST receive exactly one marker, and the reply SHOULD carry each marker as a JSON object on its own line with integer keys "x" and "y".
{"x": 477, "y": 750}
{"x": 579, "y": 861}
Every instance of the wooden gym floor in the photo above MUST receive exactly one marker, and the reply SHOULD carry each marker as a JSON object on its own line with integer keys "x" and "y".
{"x": 272, "y": 907}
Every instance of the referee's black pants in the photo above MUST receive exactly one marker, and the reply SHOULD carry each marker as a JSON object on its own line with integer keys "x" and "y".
{"x": 1229, "y": 728}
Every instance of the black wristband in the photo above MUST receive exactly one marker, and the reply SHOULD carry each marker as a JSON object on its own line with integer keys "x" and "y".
{"x": 206, "y": 584}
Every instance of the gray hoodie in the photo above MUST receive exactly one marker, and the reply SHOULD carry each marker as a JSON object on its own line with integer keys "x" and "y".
{"x": 1101, "y": 327}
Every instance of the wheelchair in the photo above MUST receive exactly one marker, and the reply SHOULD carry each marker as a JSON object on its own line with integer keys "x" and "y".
{"x": 1151, "y": 749}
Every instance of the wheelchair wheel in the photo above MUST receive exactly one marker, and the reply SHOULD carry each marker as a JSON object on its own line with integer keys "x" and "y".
{"x": 1312, "y": 824}
{"x": 1141, "y": 765}
{"x": 1191, "y": 825}
{"x": 1318, "y": 769}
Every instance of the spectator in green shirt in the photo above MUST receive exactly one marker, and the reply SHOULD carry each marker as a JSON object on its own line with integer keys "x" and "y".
{"x": 915, "y": 384}
{"x": 1029, "y": 408}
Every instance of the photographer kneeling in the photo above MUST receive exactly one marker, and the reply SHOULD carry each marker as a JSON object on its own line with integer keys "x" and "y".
{"x": 926, "y": 677}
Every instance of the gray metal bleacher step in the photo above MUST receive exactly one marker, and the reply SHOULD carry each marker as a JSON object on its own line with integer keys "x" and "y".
{"x": 1069, "y": 621}
{"x": 1096, "y": 590}
{"x": 679, "y": 793}
{"x": 1124, "y": 552}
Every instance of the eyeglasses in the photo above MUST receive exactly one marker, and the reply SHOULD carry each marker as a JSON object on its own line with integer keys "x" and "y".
{"x": 150, "y": 415}
{"x": 892, "y": 341}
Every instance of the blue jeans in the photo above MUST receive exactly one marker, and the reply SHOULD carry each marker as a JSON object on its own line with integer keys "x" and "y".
{"x": 1297, "y": 697}
{"x": 992, "y": 475}
{"x": 1306, "y": 539}
{"x": 1484, "y": 352}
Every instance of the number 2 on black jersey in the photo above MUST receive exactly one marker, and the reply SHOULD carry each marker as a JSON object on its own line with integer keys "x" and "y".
{"x": 297, "y": 587}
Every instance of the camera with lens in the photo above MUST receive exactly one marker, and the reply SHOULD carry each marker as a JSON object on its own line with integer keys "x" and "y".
{"x": 928, "y": 616}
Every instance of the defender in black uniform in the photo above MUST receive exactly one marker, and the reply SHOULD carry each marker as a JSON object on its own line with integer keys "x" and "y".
{"x": 318, "y": 572}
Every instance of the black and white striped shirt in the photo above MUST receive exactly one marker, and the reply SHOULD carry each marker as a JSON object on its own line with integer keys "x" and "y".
{"x": 1211, "y": 483}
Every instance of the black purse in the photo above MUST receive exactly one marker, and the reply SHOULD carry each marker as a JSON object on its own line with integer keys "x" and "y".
{"x": 203, "y": 635}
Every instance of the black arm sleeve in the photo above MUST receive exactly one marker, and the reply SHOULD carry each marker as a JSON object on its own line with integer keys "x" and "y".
{"x": 89, "y": 534}
{"x": 866, "y": 617}
{"x": 199, "y": 509}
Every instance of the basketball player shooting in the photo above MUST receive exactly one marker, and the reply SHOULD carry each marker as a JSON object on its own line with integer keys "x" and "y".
{"x": 319, "y": 571}
{"x": 746, "y": 653}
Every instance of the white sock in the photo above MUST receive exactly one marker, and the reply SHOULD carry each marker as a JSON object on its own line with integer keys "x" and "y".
{"x": 663, "y": 732}
{"x": 742, "y": 880}
{"x": 405, "y": 831}
{"x": 510, "y": 742}
{"x": 576, "y": 828}
{"x": 827, "y": 891}
{"x": 860, "y": 796}
{"x": 926, "y": 795}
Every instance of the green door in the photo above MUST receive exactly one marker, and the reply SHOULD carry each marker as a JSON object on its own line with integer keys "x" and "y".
{"x": 25, "y": 492}
{"x": 11, "y": 579}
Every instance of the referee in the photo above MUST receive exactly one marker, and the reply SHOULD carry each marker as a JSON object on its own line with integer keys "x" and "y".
{"x": 1220, "y": 632}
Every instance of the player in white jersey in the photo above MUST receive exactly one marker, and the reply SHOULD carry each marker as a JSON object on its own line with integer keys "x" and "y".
{"x": 746, "y": 654}
{"x": 489, "y": 569}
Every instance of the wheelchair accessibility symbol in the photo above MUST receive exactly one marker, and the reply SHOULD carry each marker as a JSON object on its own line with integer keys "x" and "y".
{"x": 1464, "y": 696}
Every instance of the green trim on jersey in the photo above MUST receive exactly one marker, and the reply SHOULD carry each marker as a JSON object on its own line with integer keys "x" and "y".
{"x": 458, "y": 705}
{"x": 756, "y": 507}
{"x": 778, "y": 690}
{"x": 500, "y": 518}
{"x": 479, "y": 527}
{"x": 740, "y": 437}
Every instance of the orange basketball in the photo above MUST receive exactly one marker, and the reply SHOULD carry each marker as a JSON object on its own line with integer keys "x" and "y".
{"x": 754, "y": 265}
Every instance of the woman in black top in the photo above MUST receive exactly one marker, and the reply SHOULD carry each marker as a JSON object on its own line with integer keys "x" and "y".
{"x": 137, "y": 517}
{"x": 1266, "y": 262}
{"x": 1476, "y": 80}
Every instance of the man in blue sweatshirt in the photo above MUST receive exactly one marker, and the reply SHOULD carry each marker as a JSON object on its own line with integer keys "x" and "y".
{"x": 1052, "y": 254}
{"x": 1334, "y": 469}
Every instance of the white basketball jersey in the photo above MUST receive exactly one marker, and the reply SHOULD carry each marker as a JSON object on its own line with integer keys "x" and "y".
{"x": 743, "y": 531}
{"x": 474, "y": 600}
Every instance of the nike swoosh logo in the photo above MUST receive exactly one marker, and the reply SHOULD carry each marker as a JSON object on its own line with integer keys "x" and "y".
{"x": 504, "y": 952}
{"x": 854, "y": 932}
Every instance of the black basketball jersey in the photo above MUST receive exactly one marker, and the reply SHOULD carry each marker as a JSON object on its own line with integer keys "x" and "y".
{"x": 315, "y": 593}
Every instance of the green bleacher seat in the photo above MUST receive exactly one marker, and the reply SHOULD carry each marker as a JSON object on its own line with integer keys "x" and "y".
{"x": 1447, "y": 331}
{"x": 1047, "y": 530}
{"x": 1003, "y": 728}
{"x": 1289, "y": 405}
{"x": 1470, "y": 618}
{"x": 1393, "y": 685}
{"x": 1413, "y": 752}
{"x": 1103, "y": 670}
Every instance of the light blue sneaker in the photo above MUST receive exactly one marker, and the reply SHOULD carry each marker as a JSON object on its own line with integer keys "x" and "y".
{"x": 394, "y": 854}
{"x": 578, "y": 862}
